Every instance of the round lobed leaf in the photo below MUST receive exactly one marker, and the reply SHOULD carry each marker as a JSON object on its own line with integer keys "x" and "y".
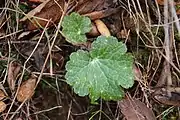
{"x": 75, "y": 27}
{"x": 102, "y": 72}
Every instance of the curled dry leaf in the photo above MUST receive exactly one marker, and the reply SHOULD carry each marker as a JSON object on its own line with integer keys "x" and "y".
{"x": 102, "y": 28}
{"x": 2, "y": 95}
{"x": 135, "y": 110}
{"x": 2, "y": 106}
{"x": 13, "y": 71}
{"x": 26, "y": 90}
{"x": 94, "y": 31}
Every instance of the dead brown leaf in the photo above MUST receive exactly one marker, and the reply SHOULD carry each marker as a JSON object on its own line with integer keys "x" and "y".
{"x": 160, "y": 2}
{"x": 87, "y": 6}
{"x": 26, "y": 89}
{"x": 134, "y": 109}
{"x": 168, "y": 95}
{"x": 102, "y": 13}
{"x": 52, "y": 12}
{"x": 35, "y": 11}
{"x": 102, "y": 28}
{"x": 13, "y": 71}
{"x": 2, "y": 95}
{"x": 2, "y": 106}
{"x": 178, "y": 11}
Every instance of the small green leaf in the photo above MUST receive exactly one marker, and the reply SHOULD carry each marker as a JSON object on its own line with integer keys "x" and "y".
{"x": 75, "y": 27}
{"x": 103, "y": 71}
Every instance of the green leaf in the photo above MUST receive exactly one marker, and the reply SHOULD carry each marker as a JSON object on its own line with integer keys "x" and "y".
{"x": 102, "y": 72}
{"x": 75, "y": 27}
